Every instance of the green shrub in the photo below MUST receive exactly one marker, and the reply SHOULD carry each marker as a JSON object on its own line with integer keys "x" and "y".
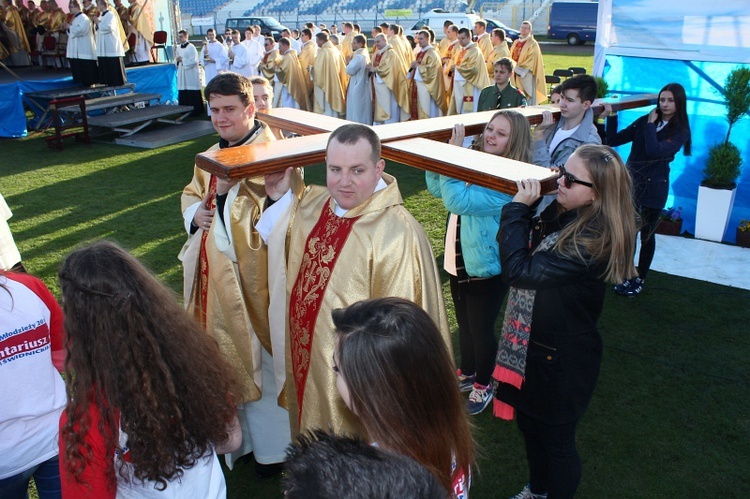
{"x": 601, "y": 87}
{"x": 723, "y": 166}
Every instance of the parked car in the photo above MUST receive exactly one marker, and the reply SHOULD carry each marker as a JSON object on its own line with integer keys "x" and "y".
{"x": 269, "y": 26}
{"x": 435, "y": 19}
{"x": 511, "y": 34}
{"x": 573, "y": 21}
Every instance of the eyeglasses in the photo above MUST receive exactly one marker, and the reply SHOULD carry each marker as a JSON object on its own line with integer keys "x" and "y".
{"x": 569, "y": 179}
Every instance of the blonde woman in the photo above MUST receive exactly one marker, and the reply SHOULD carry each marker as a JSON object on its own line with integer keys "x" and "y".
{"x": 558, "y": 265}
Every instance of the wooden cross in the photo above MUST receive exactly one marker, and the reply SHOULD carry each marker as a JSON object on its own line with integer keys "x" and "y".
{"x": 420, "y": 144}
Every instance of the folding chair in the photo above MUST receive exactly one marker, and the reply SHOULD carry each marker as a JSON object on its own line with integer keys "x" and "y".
{"x": 551, "y": 81}
{"x": 160, "y": 42}
{"x": 563, "y": 73}
{"x": 578, "y": 70}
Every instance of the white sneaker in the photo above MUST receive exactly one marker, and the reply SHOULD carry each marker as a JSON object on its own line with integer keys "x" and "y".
{"x": 527, "y": 494}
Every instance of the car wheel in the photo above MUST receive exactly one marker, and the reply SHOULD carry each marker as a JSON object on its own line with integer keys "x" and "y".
{"x": 573, "y": 39}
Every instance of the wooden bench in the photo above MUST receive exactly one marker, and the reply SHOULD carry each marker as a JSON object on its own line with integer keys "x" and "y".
{"x": 141, "y": 118}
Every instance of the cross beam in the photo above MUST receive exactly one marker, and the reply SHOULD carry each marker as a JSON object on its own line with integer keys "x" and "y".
{"x": 407, "y": 142}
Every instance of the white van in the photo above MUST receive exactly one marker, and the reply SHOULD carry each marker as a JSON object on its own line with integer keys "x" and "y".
{"x": 435, "y": 19}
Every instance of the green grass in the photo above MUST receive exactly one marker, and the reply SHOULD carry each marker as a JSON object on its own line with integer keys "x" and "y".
{"x": 670, "y": 416}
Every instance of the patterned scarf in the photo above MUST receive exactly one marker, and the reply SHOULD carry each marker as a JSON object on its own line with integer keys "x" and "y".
{"x": 510, "y": 363}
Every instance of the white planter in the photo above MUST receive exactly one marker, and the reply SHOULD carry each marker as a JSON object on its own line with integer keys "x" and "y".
{"x": 712, "y": 212}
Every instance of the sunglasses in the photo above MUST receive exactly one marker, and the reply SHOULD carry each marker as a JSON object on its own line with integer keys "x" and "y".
{"x": 569, "y": 179}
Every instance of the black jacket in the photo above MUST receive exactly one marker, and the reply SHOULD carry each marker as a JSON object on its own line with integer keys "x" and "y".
{"x": 650, "y": 156}
{"x": 565, "y": 348}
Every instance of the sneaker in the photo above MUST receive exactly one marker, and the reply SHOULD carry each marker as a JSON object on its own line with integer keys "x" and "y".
{"x": 479, "y": 398}
{"x": 526, "y": 494}
{"x": 630, "y": 288}
{"x": 465, "y": 383}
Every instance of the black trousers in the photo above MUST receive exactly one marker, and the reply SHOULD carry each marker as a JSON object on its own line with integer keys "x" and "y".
{"x": 477, "y": 303}
{"x": 554, "y": 464}
{"x": 649, "y": 221}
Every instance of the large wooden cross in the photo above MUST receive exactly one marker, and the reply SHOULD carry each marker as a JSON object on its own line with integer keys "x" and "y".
{"x": 418, "y": 143}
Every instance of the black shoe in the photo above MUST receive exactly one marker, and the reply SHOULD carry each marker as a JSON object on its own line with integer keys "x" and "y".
{"x": 264, "y": 471}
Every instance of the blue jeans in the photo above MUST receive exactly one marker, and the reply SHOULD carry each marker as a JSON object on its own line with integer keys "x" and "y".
{"x": 46, "y": 476}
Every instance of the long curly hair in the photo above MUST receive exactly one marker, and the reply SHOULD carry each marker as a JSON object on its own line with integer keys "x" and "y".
{"x": 149, "y": 369}
{"x": 402, "y": 384}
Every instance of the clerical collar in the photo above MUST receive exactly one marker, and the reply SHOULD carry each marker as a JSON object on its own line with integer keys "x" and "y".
{"x": 184, "y": 45}
{"x": 105, "y": 13}
{"x": 468, "y": 46}
{"x": 224, "y": 144}
{"x": 384, "y": 49}
{"x": 79, "y": 14}
{"x": 425, "y": 49}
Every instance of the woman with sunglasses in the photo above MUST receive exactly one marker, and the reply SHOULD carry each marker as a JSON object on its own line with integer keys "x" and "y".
{"x": 557, "y": 265}
{"x": 472, "y": 257}
{"x": 656, "y": 138}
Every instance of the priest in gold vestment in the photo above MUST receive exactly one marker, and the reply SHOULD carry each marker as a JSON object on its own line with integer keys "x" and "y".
{"x": 351, "y": 241}
{"x": 307, "y": 59}
{"x": 330, "y": 78}
{"x": 289, "y": 74}
{"x": 15, "y": 33}
{"x": 390, "y": 102}
{"x": 469, "y": 77}
{"x": 427, "y": 92}
{"x": 229, "y": 282}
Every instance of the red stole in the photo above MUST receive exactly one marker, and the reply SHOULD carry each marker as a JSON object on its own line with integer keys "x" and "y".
{"x": 516, "y": 54}
{"x": 322, "y": 249}
{"x": 414, "y": 107}
{"x": 200, "y": 302}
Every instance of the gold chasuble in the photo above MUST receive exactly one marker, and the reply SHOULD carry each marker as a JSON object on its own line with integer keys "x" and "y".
{"x": 291, "y": 76}
{"x": 270, "y": 62}
{"x": 392, "y": 69}
{"x": 470, "y": 64}
{"x": 57, "y": 21}
{"x": 121, "y": 29}
{"x": 329, "y": 74}
{"x": 375, "y": 250}
{"x": 528, "y": 55}
{"x": 485, "y": 45}
{"x": 306, "y": 61}
{"x": 232, "y": 306}
{"x": 14, "y": 22}
{"x": 139, "y": 21}
{"x": 431, "y": 71}
{"x": 443, "y": 47}
{"x": 497, "y": 53}
{"x": 346, "y": 45}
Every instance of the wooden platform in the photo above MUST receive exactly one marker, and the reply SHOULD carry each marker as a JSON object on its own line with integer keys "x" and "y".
{"x": 110, "y": 102}
{"x": 140, "y": 118}
{"x": 167, "y": 135}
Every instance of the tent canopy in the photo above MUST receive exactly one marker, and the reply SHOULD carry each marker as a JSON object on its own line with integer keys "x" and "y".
{"x": 643, "y": 45}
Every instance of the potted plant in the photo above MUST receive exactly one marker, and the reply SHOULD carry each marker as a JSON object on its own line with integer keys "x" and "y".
{"x": 716, "y": 192}
{"x": 670, "y": 221}
{"x": 743, "y": 234}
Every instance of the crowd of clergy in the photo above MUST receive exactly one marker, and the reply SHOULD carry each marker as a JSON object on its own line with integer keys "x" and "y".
{"x": 94, "y": 38}
{"x": 392, "y": 79}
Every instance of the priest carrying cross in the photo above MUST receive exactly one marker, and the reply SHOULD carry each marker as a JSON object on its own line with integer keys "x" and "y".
{"x": 348, "y": 242}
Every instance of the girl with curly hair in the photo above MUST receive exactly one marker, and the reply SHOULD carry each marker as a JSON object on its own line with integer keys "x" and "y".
{"x": 150, "y": 396}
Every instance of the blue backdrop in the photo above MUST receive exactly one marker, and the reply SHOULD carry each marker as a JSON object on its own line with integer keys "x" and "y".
{"x": 158, "y": 79}
{"x": 643, "y": 45}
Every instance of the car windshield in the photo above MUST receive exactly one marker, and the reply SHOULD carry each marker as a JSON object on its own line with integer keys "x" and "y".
{"x": 499, "y": 24}
{"x": 272, "y": 23}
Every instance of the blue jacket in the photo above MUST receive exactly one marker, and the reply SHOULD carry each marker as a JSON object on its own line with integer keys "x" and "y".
{"x": 479, "y": 209}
